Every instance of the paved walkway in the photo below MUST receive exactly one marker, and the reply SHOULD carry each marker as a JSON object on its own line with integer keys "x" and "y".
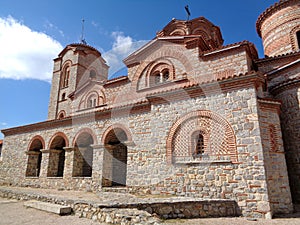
{"x": 14, "y": 213}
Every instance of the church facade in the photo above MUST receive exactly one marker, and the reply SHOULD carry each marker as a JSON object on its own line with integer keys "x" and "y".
{"x": 192, "y": 118}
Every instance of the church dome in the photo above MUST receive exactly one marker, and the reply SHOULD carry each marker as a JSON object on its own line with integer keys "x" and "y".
{"x": 279, "y": 28}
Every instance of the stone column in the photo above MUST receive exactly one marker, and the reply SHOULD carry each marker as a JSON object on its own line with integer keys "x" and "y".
{"x": 45, "y": 162}
{"x": 130, "y": 171}
{"x": 69, "y": 162}
{"x": 98, "y": 152}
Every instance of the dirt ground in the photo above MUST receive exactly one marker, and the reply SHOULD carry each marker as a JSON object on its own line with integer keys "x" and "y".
{"x": 14, "y": 213}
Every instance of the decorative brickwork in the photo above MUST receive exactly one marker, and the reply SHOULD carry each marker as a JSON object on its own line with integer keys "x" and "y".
{"x": 218, "y": 136}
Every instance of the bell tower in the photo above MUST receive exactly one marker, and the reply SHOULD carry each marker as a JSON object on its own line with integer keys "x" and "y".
{"x": 74, "y": 67}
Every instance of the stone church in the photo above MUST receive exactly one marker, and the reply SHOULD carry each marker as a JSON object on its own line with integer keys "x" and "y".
{"x": 192, "y": 117}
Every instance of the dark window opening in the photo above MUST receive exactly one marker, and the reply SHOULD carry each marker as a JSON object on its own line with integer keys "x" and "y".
{"x": 298, "y": 39}
{"x": 63, "y": 97}
{"x": 92, "y": 74}
{"x": 198, "y": 146}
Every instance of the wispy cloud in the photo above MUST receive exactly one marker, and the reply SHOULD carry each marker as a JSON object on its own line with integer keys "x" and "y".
{"x": 50, "y": 26}
{"x": 122, "y": 47}
{"x": 25, "y": 54}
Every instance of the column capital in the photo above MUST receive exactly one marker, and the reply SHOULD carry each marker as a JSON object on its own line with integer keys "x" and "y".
{"x": 32, "y": 152}
{"x": 99, "y": 146}
{"x": 129, "y": 143}
{"x": 68, "y": 149}
{"x": 45, "y": 151}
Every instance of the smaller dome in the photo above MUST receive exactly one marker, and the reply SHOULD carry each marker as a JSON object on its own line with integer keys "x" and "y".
{"x": 195, "y": 27}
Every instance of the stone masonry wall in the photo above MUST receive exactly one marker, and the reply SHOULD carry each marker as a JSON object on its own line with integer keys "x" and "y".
{"x": 290, "y": 120}
{"x": 147, "y": 167}
{"x": 274, "y": 158}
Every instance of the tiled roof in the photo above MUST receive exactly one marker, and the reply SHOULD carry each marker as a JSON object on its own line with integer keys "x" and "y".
{"x": 227, "y": 47}
{"x": 266, "y": 59}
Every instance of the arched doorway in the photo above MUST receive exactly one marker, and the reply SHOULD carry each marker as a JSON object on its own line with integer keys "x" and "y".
{"x": 115, "y": 158}
{"x": 34, "y": 158}
{"x": 57, "y": 157}
{"x": 83, "y": 155}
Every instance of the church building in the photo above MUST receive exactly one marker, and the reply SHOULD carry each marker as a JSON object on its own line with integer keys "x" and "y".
{"x": 192, "y": 117}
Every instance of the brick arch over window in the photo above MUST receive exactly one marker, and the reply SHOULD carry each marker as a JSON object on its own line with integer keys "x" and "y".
{"x": 58, "y": 134}
{"x": 92, "y": 99}
{"x": 116, "y": 127}
{"x": 34, "y": 159}
{"x": 61, "y": 114}
{"x": 295, "y": 38}
{"x": 176, "y": 53}
{"x": 88, "y": 131}
{"x": 158, "y": 67}
{"x": 34, "y": 139}
{"x": 222, "y": 141}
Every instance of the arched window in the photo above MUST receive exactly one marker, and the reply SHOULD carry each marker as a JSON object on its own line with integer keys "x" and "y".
{"x": 159, "y": 77}
{"x": 65, "y": 77}
{"x": 92, "y": 101}
{"x": 165, "y": 75}
{"x": 61, "y": 115}
{"x": 198, "y": 145}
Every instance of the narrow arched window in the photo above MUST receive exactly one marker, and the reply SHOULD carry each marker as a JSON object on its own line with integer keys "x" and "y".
{"x": 165, "y": 75}
{"x": 198, "y": 148}
{"x": 92, "y": 101}
{"x": 65, "y": 77}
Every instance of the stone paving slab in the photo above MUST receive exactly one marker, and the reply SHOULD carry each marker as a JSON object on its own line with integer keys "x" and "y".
{"x": 49, "y": 207}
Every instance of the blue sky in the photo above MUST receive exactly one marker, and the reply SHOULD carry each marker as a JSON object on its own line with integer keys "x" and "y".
{"x": 33, "y": 32}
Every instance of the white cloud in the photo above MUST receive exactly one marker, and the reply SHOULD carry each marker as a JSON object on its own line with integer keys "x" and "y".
{"x": 122, "y": 47}
{"x": 25, "y": 54}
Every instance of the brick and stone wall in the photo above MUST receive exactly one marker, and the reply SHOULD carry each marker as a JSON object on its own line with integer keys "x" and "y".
{"x": 243, "y": 180}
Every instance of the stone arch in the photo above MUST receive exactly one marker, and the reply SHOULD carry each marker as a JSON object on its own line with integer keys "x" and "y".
{"x": 83, "y": 153}
{"x": 221, "y": 136}
{"x": 163, "y": 53}
{"x": 114, "y": 170}
{"x": 34, "y": 153}
{"x": 85, "y": 130}
{"x": 113, "y": 127}
{"x": 57, "y": 154}
{"x": 36, "y": 137}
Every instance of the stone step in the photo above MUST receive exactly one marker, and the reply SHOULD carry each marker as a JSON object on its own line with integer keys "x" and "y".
{"x": 115, "y": 189}
{"x": 49, "y": 207}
